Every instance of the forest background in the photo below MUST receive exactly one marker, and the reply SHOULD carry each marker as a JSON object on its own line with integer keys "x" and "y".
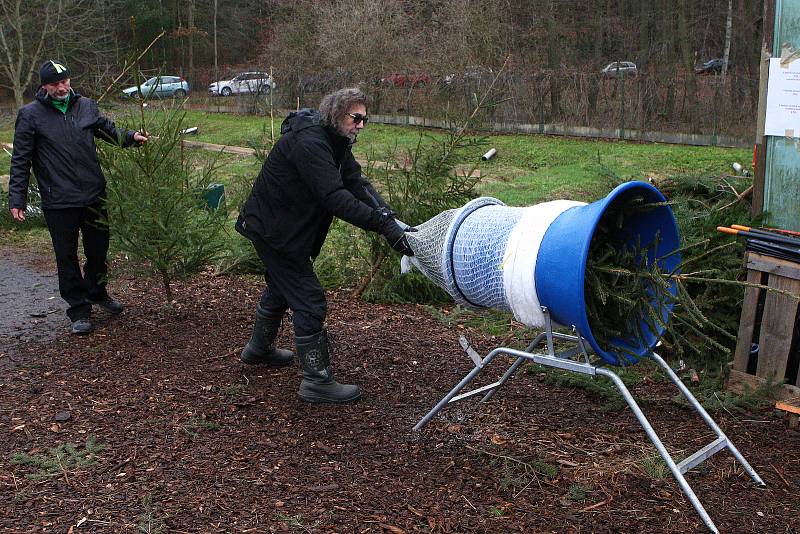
{"x": 422, "y": 57}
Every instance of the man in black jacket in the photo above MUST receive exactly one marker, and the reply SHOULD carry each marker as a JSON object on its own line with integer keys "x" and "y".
{"x": 55, "y": 134}
{"x": 309, "y": 177}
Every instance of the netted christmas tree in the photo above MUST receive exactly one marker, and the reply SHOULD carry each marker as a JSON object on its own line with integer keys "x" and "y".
{"x": 627, "y": 295}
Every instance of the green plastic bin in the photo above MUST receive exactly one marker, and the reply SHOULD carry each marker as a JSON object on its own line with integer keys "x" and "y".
{"x": 215, "y": 195}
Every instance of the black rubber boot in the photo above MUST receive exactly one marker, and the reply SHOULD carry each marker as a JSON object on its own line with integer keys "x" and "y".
{"x": 318, "y": 385}
{"x": 260, "y": 350}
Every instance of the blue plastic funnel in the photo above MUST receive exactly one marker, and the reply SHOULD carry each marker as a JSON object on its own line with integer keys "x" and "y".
{"x": 561, "y": 263}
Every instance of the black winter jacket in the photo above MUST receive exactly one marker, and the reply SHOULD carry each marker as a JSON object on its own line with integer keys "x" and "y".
{"x": 60, "y": 147}
{"x": 309, "y": 177}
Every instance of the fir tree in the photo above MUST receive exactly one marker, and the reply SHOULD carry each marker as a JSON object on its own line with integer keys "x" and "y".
{"x": 156, "y": 200}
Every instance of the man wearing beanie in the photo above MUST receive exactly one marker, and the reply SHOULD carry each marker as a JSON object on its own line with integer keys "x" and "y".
{"x": 55, "y": 134}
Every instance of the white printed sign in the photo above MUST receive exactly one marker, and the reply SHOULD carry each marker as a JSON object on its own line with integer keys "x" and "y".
{"x": 783, "y": 99}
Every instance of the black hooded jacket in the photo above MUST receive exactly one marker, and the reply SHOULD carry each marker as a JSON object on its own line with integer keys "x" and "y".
{"x": 309, "y": 177}
{"x": 60, "y": 147}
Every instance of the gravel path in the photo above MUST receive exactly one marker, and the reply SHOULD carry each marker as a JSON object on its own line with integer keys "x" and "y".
{"x": 32, "y": 309}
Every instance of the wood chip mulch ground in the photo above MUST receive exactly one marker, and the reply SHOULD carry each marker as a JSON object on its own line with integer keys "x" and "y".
{"x": 172, "y": 434}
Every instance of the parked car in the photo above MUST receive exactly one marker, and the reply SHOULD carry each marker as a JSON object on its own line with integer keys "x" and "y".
{"x": 159, "y": 87}
{"x": 404, "y": 79}
{"x": 245, "y": 83}
{"x": 619, "y": 68}
{"x": 712, "y": 66}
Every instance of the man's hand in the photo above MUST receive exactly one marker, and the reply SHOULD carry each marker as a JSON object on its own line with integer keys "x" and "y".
{"x": 18, "y": 214}
{"x": 400, "y": 245}
{"x": 394, "y": 233}
{"x": 140, "y": 138}
{"x": 396, "y": 237}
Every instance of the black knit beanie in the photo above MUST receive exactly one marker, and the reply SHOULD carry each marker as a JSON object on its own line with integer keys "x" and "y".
{"x": 52, "y": 71}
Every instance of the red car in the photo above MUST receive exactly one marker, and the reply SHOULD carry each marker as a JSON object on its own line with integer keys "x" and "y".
{"x": 404, "y": 79}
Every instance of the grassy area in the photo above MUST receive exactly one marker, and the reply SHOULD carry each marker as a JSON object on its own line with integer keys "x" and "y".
{"x": 6, "y": 136}
{"x": 230, "y": 129}
{"x": 5, "y": 163}
{"x": 34, "y": 236}
{"x": 526, "y": 170}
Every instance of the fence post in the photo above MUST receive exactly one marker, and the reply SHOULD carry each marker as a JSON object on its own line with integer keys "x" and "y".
{"x": 541, "y": 112}
{"x": 621, "y": 82}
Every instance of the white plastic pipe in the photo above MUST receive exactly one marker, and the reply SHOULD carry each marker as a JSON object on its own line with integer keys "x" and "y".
{"x": 489, "y": 155}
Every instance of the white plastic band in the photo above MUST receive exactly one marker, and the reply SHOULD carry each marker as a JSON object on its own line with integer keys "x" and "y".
{"x": 519, "y": 263}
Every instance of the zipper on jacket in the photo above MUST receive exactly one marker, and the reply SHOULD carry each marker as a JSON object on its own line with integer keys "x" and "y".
{"x": 70, "y": 124}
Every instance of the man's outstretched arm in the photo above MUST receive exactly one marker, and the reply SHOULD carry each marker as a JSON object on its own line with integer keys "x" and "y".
{"x": 105, "y": 129}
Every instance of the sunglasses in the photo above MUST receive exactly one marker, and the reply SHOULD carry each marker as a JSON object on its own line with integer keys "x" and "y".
{"x": 358, "y": 117}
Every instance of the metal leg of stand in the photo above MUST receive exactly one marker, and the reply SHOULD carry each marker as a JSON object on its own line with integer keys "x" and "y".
{"x": 513, "y": 368}
{"x": 551, "y": 354}
{"x": 676, "y": 472}
{"x": 453, "y": 392}
{"x": 723, "y": 440}
{"x": 503, "y": 379}
{"x": 467, "y": 379}
{"x": 562, "y": 360}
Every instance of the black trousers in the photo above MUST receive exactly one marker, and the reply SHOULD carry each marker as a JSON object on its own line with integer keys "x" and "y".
{"x": 292, "y": 284}
{"x": 76, "y": 288}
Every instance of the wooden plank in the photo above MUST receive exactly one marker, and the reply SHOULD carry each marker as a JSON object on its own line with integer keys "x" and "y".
{"x": 792, "y": 409}
{"x": 794, "y": 420}
{"x": 738, "y": 381}
{"x": 747, "y": 322}
{"x": 789, "y": 405}
{"x": 795, "y": 343}
{"x": 777, "y": 327}
{"x": 777, "y": 266}
{"x": 219, "y": 148}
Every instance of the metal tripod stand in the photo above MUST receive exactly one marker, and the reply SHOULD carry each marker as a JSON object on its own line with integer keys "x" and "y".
{"x": 576, "y": 359}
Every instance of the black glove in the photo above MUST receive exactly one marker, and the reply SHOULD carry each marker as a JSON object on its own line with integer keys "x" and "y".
{"x": 393, "y": 233}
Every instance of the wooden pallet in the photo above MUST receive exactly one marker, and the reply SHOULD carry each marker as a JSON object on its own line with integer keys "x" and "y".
{"x": 792, "y": 409}
{"x": 777, "y": 326}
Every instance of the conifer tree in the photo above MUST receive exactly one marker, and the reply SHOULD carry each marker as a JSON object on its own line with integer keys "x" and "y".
{"x": 156, "y": 201}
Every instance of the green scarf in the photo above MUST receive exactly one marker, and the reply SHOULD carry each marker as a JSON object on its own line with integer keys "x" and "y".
{"x": 61, "y": 105}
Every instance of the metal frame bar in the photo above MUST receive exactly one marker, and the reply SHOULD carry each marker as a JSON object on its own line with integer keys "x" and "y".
{"x": 564, "y": 360}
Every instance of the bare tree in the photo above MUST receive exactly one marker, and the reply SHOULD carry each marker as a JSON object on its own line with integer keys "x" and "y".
{"x": 191, "y": 29}
{"x": 385, "y": 38}
{"x": 33, "y": 30}
{"x": 216, "y": 64}
{"x": 728, "y": 31}
{"x": 23, "y": 34}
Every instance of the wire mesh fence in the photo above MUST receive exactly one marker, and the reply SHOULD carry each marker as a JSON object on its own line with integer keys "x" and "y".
{"x": 716, "y": 107}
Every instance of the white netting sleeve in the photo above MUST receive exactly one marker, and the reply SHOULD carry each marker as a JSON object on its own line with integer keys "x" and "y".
{"x": 428, "y": 246}
{"x": 484, "y": 254}
{"x": 519, "y": 263}
{"x": 477, "y": 256}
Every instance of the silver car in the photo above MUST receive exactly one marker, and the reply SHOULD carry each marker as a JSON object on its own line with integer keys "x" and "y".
{"x": 159, "y": 87}
{"x": 246, "y": 83}
{"x": 619, "y": 68}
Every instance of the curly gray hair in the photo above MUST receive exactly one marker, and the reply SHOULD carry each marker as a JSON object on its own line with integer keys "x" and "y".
{"x": 334, "y": 106}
